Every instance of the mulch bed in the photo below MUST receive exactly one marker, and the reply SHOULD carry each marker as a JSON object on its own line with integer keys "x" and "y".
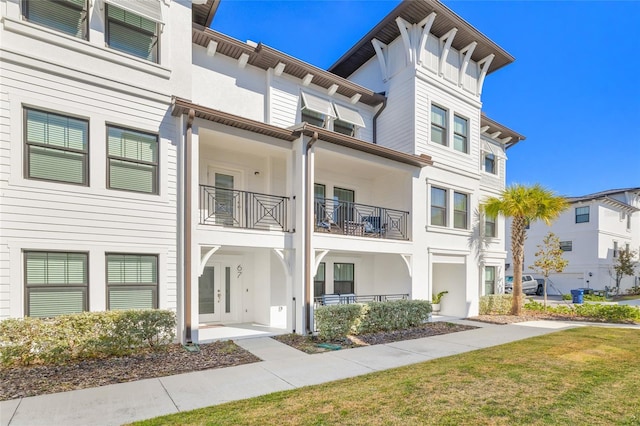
{"x": 18, "y": 382}
{"x": 309, "y": 344}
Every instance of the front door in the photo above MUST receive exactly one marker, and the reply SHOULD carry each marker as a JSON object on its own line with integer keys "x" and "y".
{"x": 217, "y": 294}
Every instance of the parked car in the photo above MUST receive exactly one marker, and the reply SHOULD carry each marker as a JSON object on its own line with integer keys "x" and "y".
{"x": 529, "y": 284}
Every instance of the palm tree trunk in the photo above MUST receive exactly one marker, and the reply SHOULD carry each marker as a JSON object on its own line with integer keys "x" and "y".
{"x": 518, "y": 232}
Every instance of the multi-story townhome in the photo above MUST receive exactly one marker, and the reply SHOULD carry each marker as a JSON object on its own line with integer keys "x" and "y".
{"x": 592, "y": 232}
{"x": 233, "y": 183}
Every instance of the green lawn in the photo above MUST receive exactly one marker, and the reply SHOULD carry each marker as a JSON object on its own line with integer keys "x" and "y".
{"x": 583, "y": 376}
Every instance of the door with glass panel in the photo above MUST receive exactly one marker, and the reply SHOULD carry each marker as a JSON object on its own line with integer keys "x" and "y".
{"x": 225, "y": 203}
{"x": 343, "y": 202}
{"x": 217, "y": 294}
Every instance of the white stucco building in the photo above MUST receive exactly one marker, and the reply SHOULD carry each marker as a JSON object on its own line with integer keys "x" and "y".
{"x": 148, "y": 161}
{"x": 592, "y": 231}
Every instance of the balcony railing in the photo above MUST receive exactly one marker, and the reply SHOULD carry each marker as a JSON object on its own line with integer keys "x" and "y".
{"x": 346, "y": 218}
{"x": 242, "y": 209}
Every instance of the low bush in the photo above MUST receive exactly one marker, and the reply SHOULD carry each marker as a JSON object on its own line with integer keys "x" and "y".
{"x": 496, "y": 304}
{"x": 597, "y": 312}
{"x": 593, "y": 298}
{"x": 335, "y": 321}
{"x": 566, "y": 297}
{"x": 26, "y": 341}
{"x": 392, "y": 315}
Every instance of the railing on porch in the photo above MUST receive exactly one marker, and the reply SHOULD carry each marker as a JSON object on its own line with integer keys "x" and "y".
{"x": 341, "y": 299}
{"x": 347, "y": 218}
{"x": 242, "y": 209}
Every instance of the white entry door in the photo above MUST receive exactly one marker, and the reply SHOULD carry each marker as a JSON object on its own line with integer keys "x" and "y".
{"x": 218, "y": 294}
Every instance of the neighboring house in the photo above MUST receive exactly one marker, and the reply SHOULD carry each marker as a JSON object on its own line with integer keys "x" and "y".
{"x": 592, "y": 231}
{"x": 233, "y": 183}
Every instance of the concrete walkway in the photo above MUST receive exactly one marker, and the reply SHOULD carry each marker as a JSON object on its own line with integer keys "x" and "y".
{"x": 282, "y": 368}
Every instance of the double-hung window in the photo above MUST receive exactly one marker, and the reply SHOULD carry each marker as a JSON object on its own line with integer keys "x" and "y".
{"x": 489, "y": 226}
{"x": 132, "y": 27}
{"x": 582, "y": 214}
{"x": 132, "y": 160}
{"x": 460, "y": 210}
{"x": 132, "y": 281}
{"x": 438, "y": 125}
{"x": 56, "y": 147}
{"x": 343, "y": 278}
{"x": 460, "y": 134}
{"x": 489, "y": 280}
{"x": 438, "y": 206}
{"x": 56, "y": 283}
{"x": 66, "y": 16}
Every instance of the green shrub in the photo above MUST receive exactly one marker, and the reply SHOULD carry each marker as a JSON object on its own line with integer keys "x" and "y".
{"x": 86, "y": 335}
{"x": 335, "y": 321}
{"x": 566, "y": 297}
{"x": 593, "y": 298}
{"x": 609, "y": 313}
{"x": 393, "y": 315}
{"x": 496, "y": 304}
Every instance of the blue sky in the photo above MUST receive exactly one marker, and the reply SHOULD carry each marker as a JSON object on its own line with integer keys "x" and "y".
{"x": 573, "y": 90}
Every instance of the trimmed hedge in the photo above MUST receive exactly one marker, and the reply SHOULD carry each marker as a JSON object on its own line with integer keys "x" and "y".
{"x": 337, "y": 321}
{"x": 26, "y": 341}
{"x": 496, "y": 304}
{"x": 595, "y": 311}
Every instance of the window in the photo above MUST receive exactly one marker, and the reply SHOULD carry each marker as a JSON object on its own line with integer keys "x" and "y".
{"x": 438, "y": 125}
{"x": 132, "y": 281}
{"x": 131, "y": 33}
{"x": 312, "y": 117}
{"x": 343, "y": 200}
{"x": 316, "y": 110}
{"x": 438, "y": 206}
{"x": 489, "y": 226}
{"x": 628, "y": 221}
{"x": 566, "y": 245}
{"x": 343, "y": 127}
{"x": 460, "y": 210}
{"x": 56, "y": 147}
{"x": 67, "y": 16}
{"x": 320, "y": 195}
{"x": 460, "y": 134}
{"x": 490, "y": 163}
{"x": 615, "y": 249}
{"x": 56, "y": 283}
{"x": 582, "y": 214}
{"x": 319, "y": 281}
{"x": 132, "y": 160}
{"x": 343, "y": 278}
{"x": 627, "y": 247}
{"x": 489, "y": 280}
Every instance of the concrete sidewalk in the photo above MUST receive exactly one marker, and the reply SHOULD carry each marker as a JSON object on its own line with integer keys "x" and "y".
{"x": 282, "y": 368}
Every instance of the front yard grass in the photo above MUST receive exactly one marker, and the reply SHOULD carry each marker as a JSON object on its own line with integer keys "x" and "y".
{"x": 582, "y": 376}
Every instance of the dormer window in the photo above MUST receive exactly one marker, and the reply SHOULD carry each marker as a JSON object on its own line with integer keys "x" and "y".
{"x": 66, "y": 16}
{"x": 132, "y": 27}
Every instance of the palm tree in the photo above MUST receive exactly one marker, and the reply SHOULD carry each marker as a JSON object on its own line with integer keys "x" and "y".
{"x": 523, "y": 204}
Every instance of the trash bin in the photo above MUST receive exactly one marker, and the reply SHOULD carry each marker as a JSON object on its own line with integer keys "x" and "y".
{"x": 577, "y": 295}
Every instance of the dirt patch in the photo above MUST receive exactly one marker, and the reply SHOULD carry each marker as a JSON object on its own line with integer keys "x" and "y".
{"x": 18, "y": 382}
{"x": 310, "y": 344}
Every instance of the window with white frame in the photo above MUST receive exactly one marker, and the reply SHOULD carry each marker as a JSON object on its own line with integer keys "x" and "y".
{"x": 348, "y": 120}
{"x": 343, "y": 278}
{"x": 132, "y": 281}
{"x": 582, "y": 214}
{"x": 490, "y": 163}
{"x": 56, "y": 283}
{"x": 615, "y": 249}
{"x": 66, "y": 16}
{"x": 316, "y": 110}
{"x": 460, "y": 134}
{"x": 56, "y": 147}
{"x": 132, "y": 158}
{"x": 438, "y": 206}
{"x": 130, "y": 31}
{"x": 628, "y": 221}
{"x": 460, "y": 210}
{"x": 566, "y": 245}
{"x": 489, "y": 280}
{"x": 489, "y": 226}
{"x": 438, "y": 125}
{"x": 319, "y": 281}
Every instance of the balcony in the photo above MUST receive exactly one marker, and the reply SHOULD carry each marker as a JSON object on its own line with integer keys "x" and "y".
{"x": 347, "y": 218}
{"x": 243, "y": 209}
